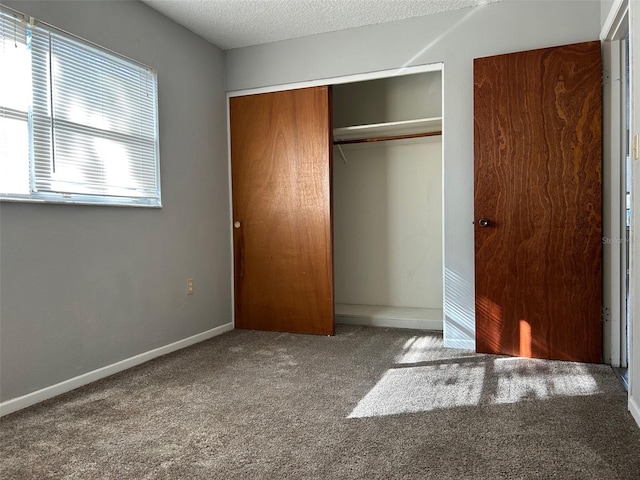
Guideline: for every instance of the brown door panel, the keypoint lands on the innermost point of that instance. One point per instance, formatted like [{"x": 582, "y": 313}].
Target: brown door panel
[
  {"x": 537, "y": 138},
  {"x": 281, "y": 185}
]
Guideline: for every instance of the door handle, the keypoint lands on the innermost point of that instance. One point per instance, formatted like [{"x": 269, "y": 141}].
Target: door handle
[
  {"x": 484, "y": 222},
  {"x": 236, "y": 224}
]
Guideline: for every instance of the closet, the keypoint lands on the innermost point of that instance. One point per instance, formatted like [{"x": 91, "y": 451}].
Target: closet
[
  {"x": 387, "y": 201},
  {"x": 337, "y": 205}
]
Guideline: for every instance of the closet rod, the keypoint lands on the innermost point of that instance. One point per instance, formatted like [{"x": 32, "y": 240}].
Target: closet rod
[{"x": 390, "y": 137}]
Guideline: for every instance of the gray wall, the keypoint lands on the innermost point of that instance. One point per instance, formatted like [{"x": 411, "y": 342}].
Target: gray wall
[
  {"x": 454, "y": 38},
  {"x": 605, "y": 7},
  {"x": 83, "y": 287}
]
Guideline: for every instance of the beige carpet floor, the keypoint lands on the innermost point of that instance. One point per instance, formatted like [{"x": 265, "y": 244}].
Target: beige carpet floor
[{"x": 369, "y": 403}]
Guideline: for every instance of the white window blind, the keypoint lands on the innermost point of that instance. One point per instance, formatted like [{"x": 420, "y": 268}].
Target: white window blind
[{"x": 88, "y": 119}]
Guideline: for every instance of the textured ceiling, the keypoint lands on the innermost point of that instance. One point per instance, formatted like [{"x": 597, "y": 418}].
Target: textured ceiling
[{"x": 239, "y": 23}]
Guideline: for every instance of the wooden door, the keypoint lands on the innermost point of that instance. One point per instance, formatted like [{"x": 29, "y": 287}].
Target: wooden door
[
  {"x": 538, "y": 236},
  {"x": 281, "y": 184}
]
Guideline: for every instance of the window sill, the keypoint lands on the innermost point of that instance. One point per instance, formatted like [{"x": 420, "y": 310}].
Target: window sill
[{"x": 84, "y": 200}]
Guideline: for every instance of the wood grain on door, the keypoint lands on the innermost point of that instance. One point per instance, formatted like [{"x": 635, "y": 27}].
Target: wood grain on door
[
  {"x": 538, "y": 256},
  {"x": 281, "y": 184}
]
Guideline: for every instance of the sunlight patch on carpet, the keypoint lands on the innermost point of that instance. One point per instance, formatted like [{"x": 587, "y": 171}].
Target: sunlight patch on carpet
[{"x": 423, "y": 388}]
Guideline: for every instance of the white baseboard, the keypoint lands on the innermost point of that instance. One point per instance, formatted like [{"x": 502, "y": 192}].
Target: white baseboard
[
  {"x": 634, "y": 408},
  {"x": 394, "y": 317},
  {"x": 29, "y": 399}
]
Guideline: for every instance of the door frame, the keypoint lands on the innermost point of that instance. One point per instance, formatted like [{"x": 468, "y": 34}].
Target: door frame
[
  {"x": 614, "y": 312},
  {"x": 395, "y": 72}
]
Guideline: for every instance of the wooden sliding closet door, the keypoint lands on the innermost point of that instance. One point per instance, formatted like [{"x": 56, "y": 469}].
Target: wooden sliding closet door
[
  {"x": 538, "y": 234},
  {"x": 281, "y": 183}
]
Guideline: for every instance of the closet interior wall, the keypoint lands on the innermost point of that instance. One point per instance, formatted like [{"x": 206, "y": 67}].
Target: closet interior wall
[{"x": 387, "y": 202}]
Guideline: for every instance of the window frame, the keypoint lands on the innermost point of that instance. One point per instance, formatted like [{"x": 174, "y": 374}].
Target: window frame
[{"x": 149, "y": 197}]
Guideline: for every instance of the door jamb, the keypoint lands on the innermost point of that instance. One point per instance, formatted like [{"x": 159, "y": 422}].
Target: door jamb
[
  {"x": 358, "y": 77},
  {"x": 613, "y": 31}
]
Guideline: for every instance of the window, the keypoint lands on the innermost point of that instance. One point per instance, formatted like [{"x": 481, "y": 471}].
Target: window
[{"x": 78, "y": 124}]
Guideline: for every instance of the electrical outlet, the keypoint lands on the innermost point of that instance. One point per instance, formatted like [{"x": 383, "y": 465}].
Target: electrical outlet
[{"x": 189, "y": 286}]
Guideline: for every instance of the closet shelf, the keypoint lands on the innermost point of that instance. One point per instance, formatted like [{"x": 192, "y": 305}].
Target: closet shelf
[{"x": 380, "y": 132}]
